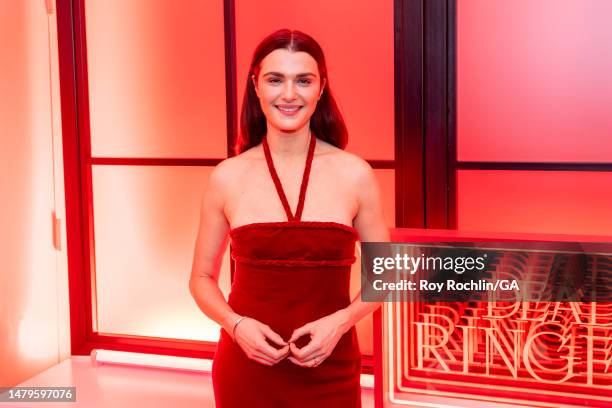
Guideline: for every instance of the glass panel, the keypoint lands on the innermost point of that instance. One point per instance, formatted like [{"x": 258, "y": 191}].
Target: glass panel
[
  {"x": 146, "y": 221},
  {"x": 156, "y": 78},
  {"x": 560, "y": 202},
  {"x": 534, "y": 81},
  {"x": 386, "y": 181},
  {"x": 358, "y": 47}
]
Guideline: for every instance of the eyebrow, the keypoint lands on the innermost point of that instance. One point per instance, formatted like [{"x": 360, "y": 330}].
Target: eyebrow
[{"x": 305, "y": 74}]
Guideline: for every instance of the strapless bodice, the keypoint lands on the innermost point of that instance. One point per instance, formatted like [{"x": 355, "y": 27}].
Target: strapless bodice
[{"x": 292, "y": 243}]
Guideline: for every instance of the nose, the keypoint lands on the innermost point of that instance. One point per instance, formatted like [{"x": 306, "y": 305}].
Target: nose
[{"x": 289, "y": 91}]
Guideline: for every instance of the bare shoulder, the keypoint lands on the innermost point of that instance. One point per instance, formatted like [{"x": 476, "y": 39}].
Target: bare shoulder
[
  {"x": 351, "y": 167},
  {"x": 229, "y": 171},
  {"x": 358, "y": 174}
]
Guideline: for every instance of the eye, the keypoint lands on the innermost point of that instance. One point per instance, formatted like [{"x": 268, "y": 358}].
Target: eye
[
  {"x": 305, "y": 81},
  {"x": 273, "y": 80}
]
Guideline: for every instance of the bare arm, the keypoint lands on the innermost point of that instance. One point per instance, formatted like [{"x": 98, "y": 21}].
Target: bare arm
[
  {"x": 211, "y": 242},
  {"x": 371, "y": 225}
]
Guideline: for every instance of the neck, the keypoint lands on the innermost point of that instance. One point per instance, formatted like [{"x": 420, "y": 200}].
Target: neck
[{"x": 289, "y": 144}]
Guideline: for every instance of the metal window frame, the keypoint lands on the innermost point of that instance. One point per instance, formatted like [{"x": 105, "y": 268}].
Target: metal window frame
[{"x": 78, "y": 163}]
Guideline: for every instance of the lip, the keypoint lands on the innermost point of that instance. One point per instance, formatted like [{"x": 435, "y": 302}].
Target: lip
[{"x": 288, "y": 110}]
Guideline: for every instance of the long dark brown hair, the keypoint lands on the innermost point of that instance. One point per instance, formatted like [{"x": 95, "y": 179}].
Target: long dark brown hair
[{"x": 326, "y": 122}]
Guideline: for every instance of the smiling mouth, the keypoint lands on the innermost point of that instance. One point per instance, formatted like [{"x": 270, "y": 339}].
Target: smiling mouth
[{"x": 288, "y": 109}]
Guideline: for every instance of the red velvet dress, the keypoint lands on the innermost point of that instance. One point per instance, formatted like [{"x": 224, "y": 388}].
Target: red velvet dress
[{"x": 288, "y": 274}]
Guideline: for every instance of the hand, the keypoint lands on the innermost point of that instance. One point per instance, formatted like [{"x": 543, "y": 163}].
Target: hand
[
  {"x": 251, "y": 335},
  {"x": 324, "y": 335}
]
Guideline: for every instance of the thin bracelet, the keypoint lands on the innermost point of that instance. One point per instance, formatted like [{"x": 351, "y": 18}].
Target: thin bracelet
[{"x": 236, "y": 324}]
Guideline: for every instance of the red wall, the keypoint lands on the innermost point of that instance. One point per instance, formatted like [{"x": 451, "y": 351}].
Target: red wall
[
  {"x": 534, "y": 84},
  {"x": 358, "y": 47}
]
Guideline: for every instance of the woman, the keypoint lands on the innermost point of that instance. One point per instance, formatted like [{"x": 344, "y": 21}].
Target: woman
[{"x": 294, "y": 204}]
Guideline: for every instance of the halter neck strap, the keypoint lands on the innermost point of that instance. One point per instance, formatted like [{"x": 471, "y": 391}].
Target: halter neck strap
[{"x": 277, "y": 182}]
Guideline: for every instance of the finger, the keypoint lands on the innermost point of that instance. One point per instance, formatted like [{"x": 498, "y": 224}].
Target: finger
[
  {"x": 295, "y": 351},
  {"x": 297, "y": 362},
  {"x": 299, "y": 332},
  {"x": 321, "y": 359},
  {"x": 261, "y": 361},
  {"x": 285, "y": 352},
  {"x": 311, "y": 356},
  {"x": 272, "y": 335},
  {"x": 307, "y": 351},
  {"x": 262, "y": 356},
  {"x": 270, "y": 352},
  {"x": 307, "y": 364}
]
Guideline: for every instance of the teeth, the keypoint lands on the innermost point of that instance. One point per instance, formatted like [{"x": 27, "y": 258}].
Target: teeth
[{"x": 288, "y": 109}]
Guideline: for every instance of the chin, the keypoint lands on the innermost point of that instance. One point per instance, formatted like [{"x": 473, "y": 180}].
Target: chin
[{"x": 289, "y": 127}]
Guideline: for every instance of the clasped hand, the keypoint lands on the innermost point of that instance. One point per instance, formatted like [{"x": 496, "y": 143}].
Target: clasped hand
[{"x": 325, "y": 333}]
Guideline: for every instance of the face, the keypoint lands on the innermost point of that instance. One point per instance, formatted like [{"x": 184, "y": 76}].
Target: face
[{"x": 288, "y": 87}]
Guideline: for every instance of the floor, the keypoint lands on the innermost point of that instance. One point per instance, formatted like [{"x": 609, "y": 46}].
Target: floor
[{"x": 116, "y": 386}]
